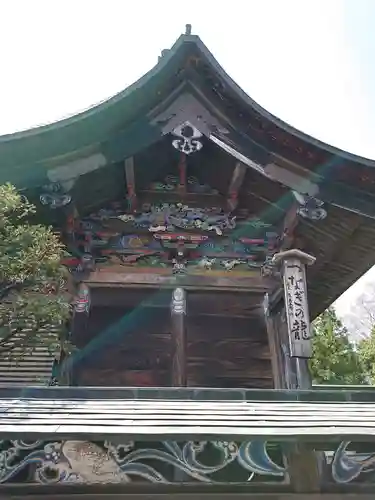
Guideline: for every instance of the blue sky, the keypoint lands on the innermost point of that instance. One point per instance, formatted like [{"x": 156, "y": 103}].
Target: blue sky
[{"x": 309, "y": 62}]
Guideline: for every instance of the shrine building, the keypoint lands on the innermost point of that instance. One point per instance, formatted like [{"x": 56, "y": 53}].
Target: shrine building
[{"x": 202, "y": 235}]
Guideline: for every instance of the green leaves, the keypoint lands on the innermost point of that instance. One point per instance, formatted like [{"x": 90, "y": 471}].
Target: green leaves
[
  {"x": 34, "y": 306},
  {"x": 366, "y": 352},
  {"x": 335, "y": 359}
]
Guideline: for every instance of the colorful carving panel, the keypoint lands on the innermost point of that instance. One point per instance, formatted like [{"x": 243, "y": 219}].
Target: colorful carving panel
[
  {"x": 167, "y": 462},
  {"x": 172, "y": 182},
  {"x": 216, "y": 462},
  {"x": 173, "y": 235}
]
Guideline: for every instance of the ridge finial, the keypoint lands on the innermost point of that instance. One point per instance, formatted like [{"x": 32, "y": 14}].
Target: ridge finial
[{"x": 188, "y": 29}]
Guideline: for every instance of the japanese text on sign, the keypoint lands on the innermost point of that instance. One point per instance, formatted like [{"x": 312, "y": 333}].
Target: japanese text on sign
[{"x": 297, "y": 309}]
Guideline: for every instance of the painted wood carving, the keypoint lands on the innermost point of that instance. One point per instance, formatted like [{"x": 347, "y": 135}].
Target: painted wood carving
[
  {"x": 54, "y": 196},
  {"x": 90, "y": 462},
  {"x": 172, "y": 182},
  {"x": 64, "y": 462},
  {"x": 172, "y": 235}
]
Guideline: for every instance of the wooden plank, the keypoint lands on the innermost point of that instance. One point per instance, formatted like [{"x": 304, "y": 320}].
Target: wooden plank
[
  {"x": 191, "y": 404},
  {"x": 184, "y": 420},
  {"x": 300, "y": 416},
  {"x": 179, "y": 426},
  {"x": 159, "y": 433},
  {"x": 182, "y": 412},
  {"x": 301, "y": 420},
  {"x": 113, "y": 413}
]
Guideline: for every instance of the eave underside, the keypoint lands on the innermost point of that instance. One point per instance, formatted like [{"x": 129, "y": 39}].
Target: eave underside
[
  {"x": 343, "y": 242},
  {"x": 343, "y": 245},
  {"x": 126, "y": 126}
]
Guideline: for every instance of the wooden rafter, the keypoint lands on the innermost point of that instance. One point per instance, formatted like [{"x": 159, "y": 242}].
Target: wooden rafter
[
  {"x": 238, "y": 177},
  {"x": 289, "y": 226}
]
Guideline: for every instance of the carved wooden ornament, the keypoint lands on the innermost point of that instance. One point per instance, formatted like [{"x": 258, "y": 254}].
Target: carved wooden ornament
[
  {"x": 178, "y": 301},
  {"x": 187, "y": 138}
]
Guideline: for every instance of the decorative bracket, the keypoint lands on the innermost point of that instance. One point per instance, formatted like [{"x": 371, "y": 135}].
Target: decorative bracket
[
  {"x": 270, "y": 269},
  {"x": 54, "y": 196},
  {"x": 309, "y": 207},
  {"x": 83, "y": 301}
]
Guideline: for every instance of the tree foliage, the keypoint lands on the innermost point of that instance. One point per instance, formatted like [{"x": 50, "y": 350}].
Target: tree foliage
[
  {"x": 366, "y": 352},
  {"x": 335, "y": 359},
  {"x": 34, "y": 308}
]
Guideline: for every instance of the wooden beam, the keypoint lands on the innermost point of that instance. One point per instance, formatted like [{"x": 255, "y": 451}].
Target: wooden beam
[
  {"x": 200, "y": 304},
  {"x": 130, "y": 182},
  {"x": 129, "y": 277},
  {"x": 238, "y": 177},
  {"x": 178, "y": 319}
]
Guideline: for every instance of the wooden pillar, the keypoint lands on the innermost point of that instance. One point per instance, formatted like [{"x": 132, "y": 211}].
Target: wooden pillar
[
  {"x": 277, "y": 332},
  {"x": 79, "y": 325},
  {"x": 178, "y": 320}
]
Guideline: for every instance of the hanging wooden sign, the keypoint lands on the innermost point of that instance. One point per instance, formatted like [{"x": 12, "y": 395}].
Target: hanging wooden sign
[{"x": 296, "y": 302}]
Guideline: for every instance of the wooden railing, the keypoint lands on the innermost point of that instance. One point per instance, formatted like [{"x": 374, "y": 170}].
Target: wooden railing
[{"x": 269, "y": 441}]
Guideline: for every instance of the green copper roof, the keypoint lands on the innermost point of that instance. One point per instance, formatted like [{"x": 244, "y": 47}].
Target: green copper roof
[
  {"x": 119, "y": 127},
  {"x": 25, "y": 156}
]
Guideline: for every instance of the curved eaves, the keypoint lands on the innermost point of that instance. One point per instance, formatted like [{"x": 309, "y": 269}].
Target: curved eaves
[
  {"x": 87, "y": 130},
  {"x": 102, "y": 106},
  {"x": 92, "y": 126},
  {"x": 241, "y": 94}
]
